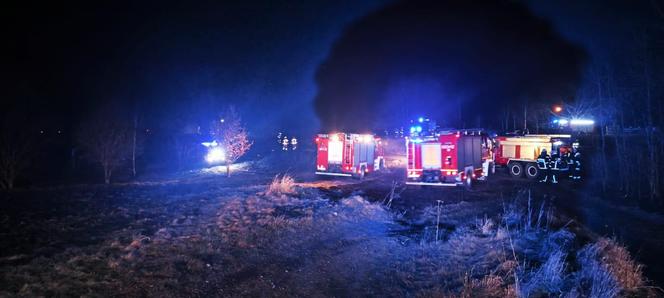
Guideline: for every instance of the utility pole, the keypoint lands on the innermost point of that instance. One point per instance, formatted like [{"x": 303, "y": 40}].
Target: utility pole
[{"x": 525, "y": 117}]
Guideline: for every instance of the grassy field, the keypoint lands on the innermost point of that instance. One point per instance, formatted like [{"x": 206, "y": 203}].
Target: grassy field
[{"x": 258, "y": 235}]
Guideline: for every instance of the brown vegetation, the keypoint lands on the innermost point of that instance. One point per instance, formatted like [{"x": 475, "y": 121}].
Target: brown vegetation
[
  {"x": 279, "y": 239},
  {"x": 281, "y": 185}
]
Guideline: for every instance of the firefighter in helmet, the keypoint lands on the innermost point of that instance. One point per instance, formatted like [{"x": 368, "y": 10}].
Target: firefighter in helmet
[
  {"x": 554, "y": 167},
  {"x": 543, "y": 164},
  {"x": 284, "y": 144},
  {"x": 293, "y": 143},
  {"x": 566, "y": 161},
  {"x": 576, "y": 167}
]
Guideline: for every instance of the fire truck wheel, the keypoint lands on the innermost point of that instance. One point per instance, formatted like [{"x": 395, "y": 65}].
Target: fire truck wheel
[
  {"x": 516, "y": 169},
  {"x": 531, "y": 171}
]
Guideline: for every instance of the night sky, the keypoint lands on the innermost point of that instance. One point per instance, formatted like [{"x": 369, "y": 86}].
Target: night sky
[
  {"x": 174, "y": 57},
  {"x": 177, "y": 59}
]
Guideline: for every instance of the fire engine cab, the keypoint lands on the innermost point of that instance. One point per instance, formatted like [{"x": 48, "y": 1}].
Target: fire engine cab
[
  {"x": 519, "y": 153},
  {"x": 449, "y": 158},
  {"x": 344, "y": 154}
]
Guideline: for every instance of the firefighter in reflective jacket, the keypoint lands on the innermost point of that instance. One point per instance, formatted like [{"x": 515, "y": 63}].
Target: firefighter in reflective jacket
[
  {"x": 543, "y": 164},
  {"x": 567, "y": 162},
  {"x": 576, "y": 167},
  {"x": 554, "y": 167}
]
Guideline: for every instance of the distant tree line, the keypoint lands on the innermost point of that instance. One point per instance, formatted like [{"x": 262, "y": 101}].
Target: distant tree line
[
  {"x": 627, "y": 100},
  {"x": 111, "y": 139}
]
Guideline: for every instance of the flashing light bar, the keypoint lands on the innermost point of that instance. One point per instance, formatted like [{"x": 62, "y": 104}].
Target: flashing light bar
[
  {"x": 575, "y": 122},
  {"x": 582, "y": 122},
  {"x": 414, "y": 129}
]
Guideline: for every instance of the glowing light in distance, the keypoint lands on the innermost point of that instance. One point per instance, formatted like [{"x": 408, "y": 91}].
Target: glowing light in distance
[
  {"x": 563, "y": 121},
  {"x": 558, "y": 143},
  {"x": 366, "y": 138},
  {"x": 334, "y": 138},
  {"x": 582, "y": 122},
  {"x": 215, "y": 155},
  {"x": 421, "y": 119},
  {"x": 210, "y": 144},
  {"x": 557, "y": 109}
]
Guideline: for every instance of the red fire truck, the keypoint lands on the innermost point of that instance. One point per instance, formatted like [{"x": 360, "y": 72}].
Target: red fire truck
[
  {"x": 519, "y": 153},
  {"x": 449, "y": 158},
  {"x": 345, "y": 154}
]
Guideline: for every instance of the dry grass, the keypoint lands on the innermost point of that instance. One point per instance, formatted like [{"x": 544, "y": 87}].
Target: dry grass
[
  {"x": 281, "y": 185},
  {"x": 485, "y": 225},
  {"x": 593, "y": 279},
  {"x": 620, "y": 263},
  {"x": 548, "y": 278},
  {"x": 600, "y": 269},
  {"x": 486, "y": 286},
  {"x": 608, "y": 269},
  {"x": 293, "y": 241}
]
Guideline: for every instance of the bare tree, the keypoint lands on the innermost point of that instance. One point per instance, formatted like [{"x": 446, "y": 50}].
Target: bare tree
[
  {"x": 134, "y": 144},
  {"x": 646, "y": 72},
  {"x": 17, "y": 145},
  {"x": 184, "y": 146},
  {"x": 105, "y": 140},
  {"x": 231, "y": 134},
  {"x": 137, "y": 140}
]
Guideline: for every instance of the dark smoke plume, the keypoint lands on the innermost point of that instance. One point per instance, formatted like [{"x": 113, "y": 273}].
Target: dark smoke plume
[{"x": 460, "y": 62}]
